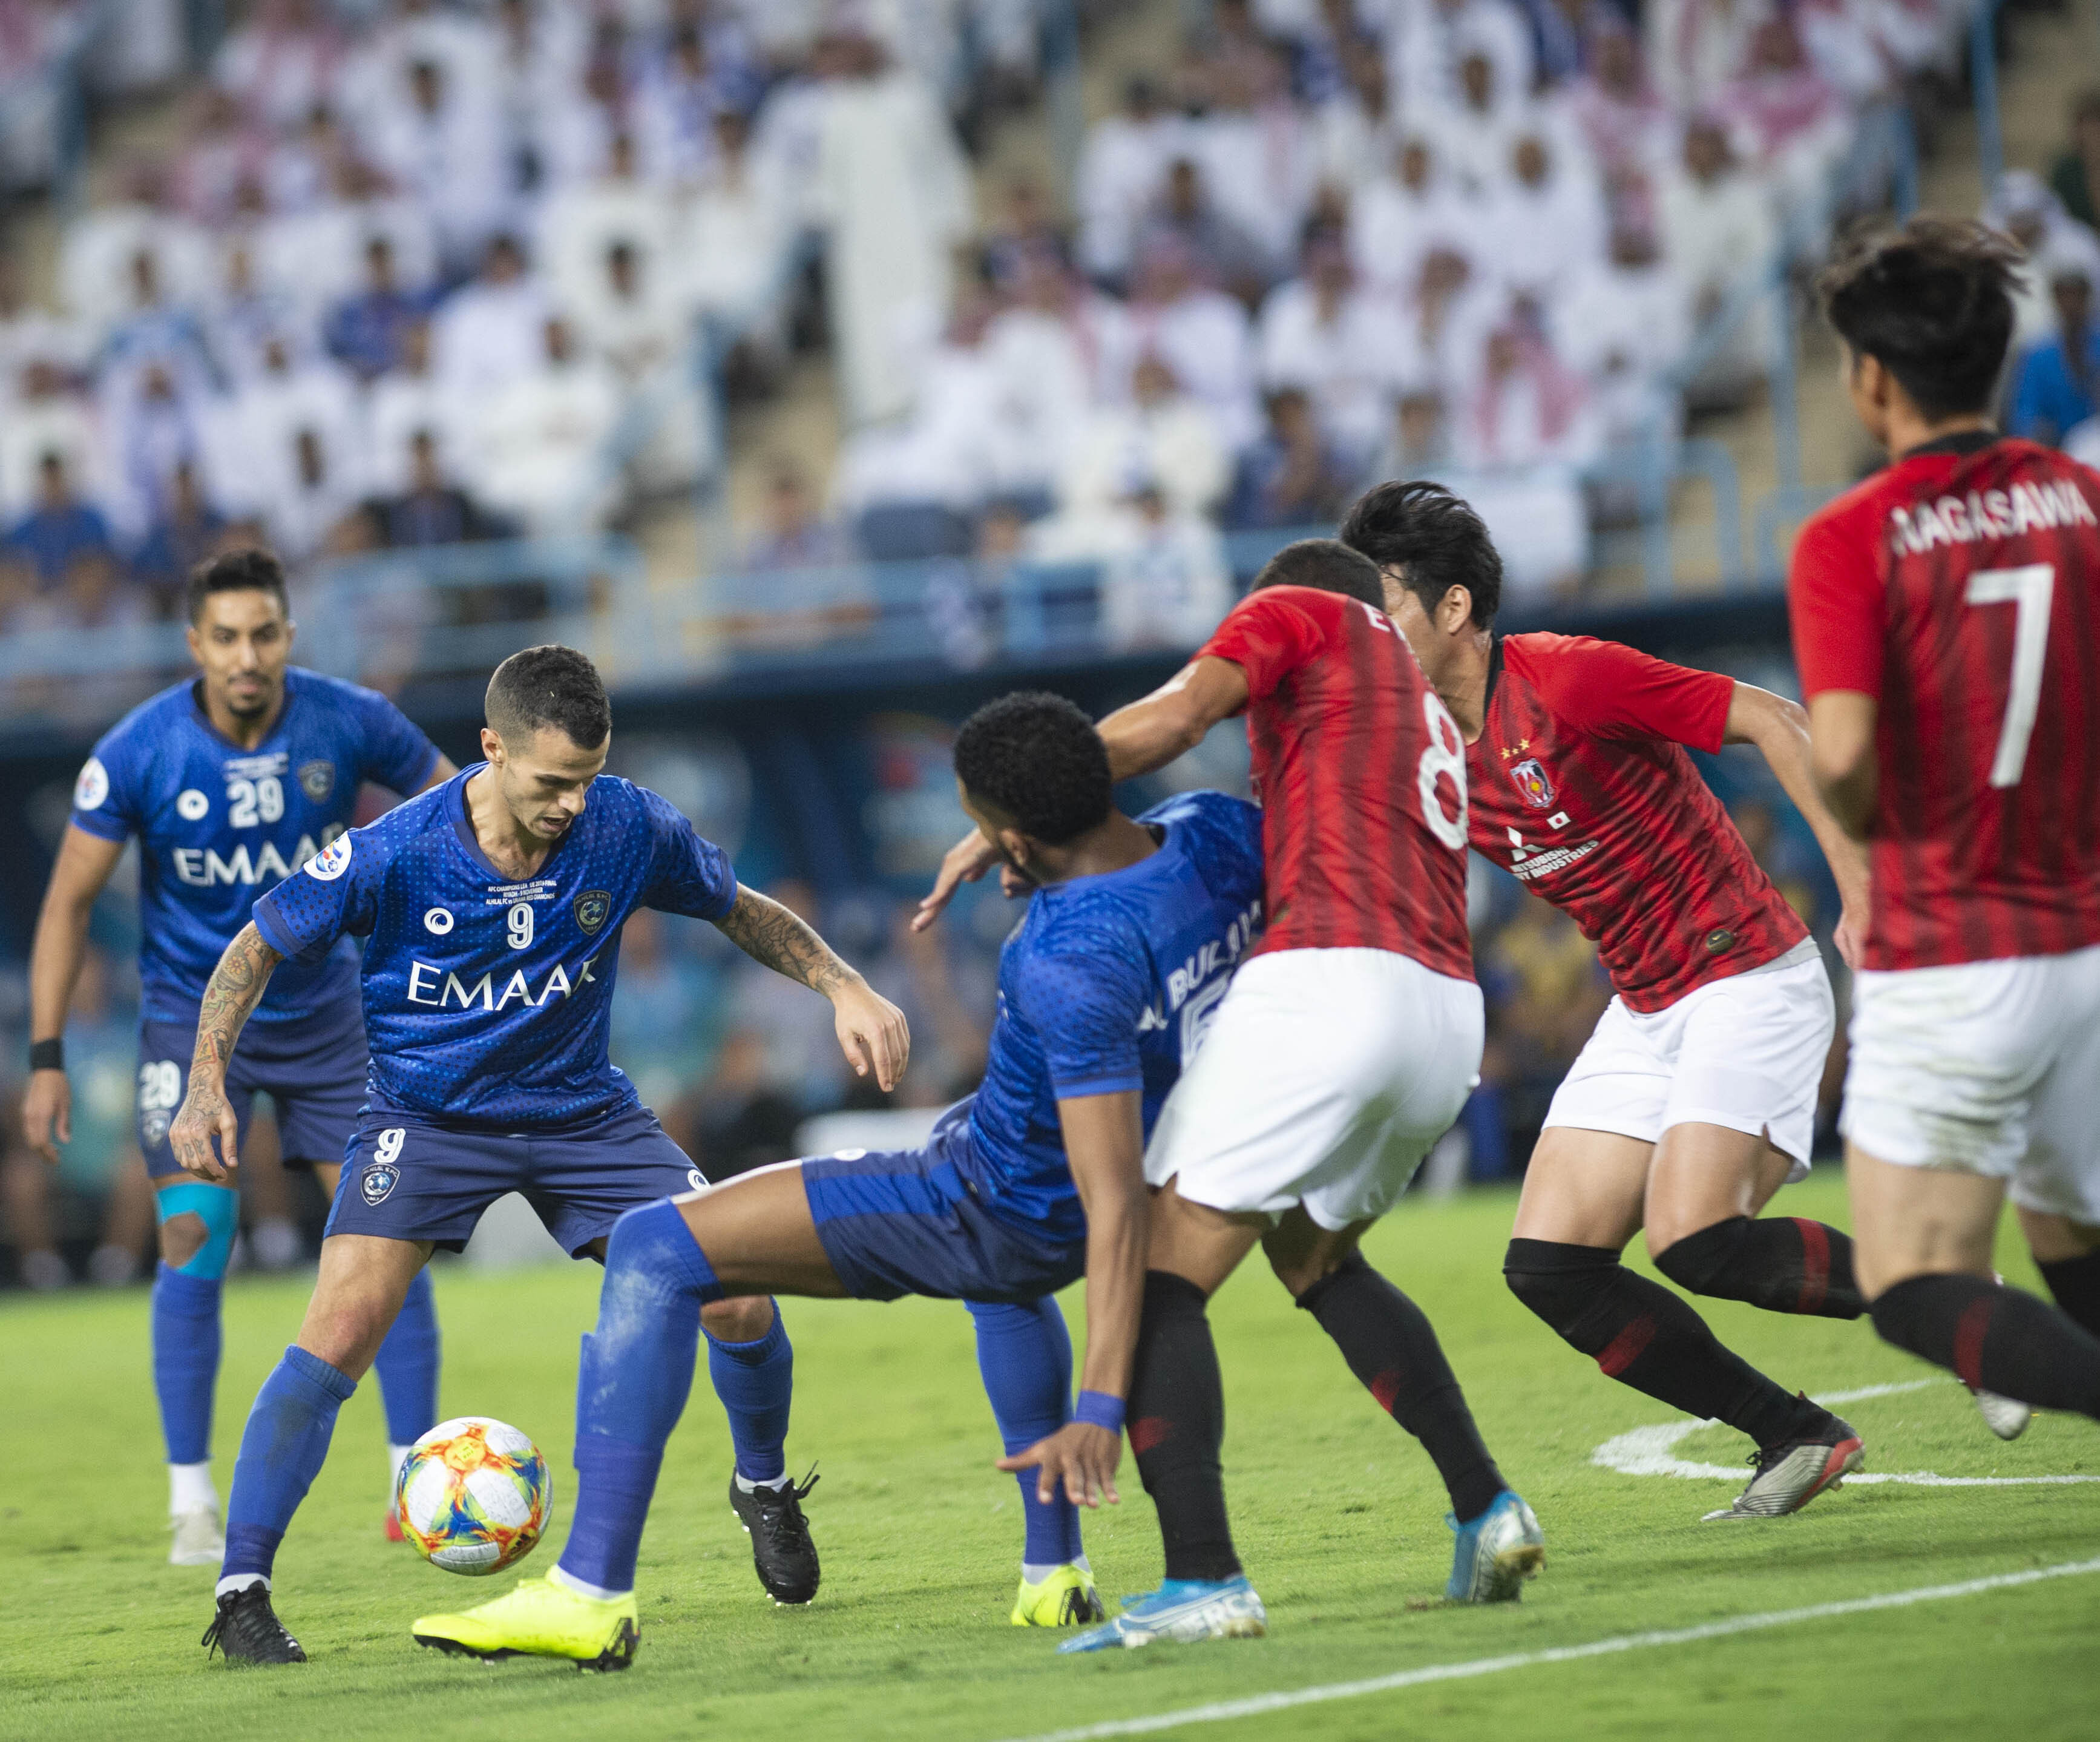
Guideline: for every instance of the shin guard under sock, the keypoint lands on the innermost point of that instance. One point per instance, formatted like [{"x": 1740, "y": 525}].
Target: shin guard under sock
[
  {"x": 1643, "y": 1335},
  {"x": 1024, "y": 1354},
  {"x": 1783, "y": 1263},
  {"x": 636, "y": 1374},
  {"x": 407, "y": 1366},
  {"x": 186, "y": 1349},
  {"x": 2075, "y": 1282},
  {"x": 1177, "y": 1426},
  {"x": 756, "y": 1383},
  {"x": 1390, "y": 1346},
  {"x": 282, "y": 1450},
  {"x": 2000, "y": 1339}
]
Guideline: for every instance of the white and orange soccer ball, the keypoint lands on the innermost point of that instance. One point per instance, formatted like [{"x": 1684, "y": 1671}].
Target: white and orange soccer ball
[{"x": 474, "y": 1495}]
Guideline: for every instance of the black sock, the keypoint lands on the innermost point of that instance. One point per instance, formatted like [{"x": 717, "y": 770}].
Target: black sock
[
  {"x": 1176, "y": 1412},
  {"x": 1995, "y": 1337},
  {"x": 1388, "y": 1343},
  {"x": 1781, "y": 1263},
  {"x": 1643, "y": 1335},
  {"x": 2075, "y": 1284}
]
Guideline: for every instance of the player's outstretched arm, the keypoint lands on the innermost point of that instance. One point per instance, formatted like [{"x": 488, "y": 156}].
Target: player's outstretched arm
[
  {"x": 1104, "y": 1144},
  {"x": 1781, "y": 730},
  {"x": 85, "y": 861},
  {"x": 230, "y": 999},
  {"x": 1173, "y": 720},
  {"x": 1841, "y": 729},
  {"x": 1146, "y": 735},
  {"x": 872, "y": 1031}
]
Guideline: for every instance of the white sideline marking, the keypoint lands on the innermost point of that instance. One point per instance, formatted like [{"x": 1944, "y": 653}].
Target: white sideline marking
[
  {"x": 1653, "y": 1451},
  {"x": 1255, "y": 1705}
]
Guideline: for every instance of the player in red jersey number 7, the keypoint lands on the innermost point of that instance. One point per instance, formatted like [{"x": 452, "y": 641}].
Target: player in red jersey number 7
[
  {"x": 1947, "y": 623},
  {"x": 1695, "y": 1100},
  {"x": 1343, "y": 1049}
]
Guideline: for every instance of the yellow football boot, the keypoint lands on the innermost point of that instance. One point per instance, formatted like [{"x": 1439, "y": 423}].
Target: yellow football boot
[
  {"x": 1066, "y": 1599},
  {"x": 541, "y": 1619}
]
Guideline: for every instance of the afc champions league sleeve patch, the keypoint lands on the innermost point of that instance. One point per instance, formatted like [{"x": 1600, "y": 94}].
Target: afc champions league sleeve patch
[
  {"x": 317, "y": 780},
  {"x": 592, "y": 907},
  {"x": 93, "y": 786},
  {"x": 331, "y": 862}
]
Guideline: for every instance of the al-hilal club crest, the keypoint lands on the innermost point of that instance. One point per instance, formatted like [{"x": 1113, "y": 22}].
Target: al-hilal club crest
[
  {"x": 1532, "y": 783},
  {"x": 153, "y": 1126},
  {"x": 592, "y": 907},
  {"x": 317, "y": 780}
]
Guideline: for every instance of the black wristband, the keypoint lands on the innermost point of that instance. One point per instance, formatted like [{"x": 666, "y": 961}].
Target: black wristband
[{"x": 47, "y": 1054}]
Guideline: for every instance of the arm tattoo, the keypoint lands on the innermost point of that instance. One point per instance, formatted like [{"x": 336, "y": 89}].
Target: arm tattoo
[
  {"x": 768, "y": 932},
  {"x": 236, "y": 988}
]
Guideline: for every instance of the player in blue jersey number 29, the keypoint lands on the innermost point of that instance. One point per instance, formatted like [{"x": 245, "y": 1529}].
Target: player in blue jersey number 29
[
  {"x": 491, "y": 907},
  {"x": 227, "y": 781}
]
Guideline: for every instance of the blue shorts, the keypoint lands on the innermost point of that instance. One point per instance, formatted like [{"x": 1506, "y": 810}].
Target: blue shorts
[
  {"x": 407, "y": 1177},
  {"x": 909, "y": 1222},
  {"x": 316, "y": 1081}
]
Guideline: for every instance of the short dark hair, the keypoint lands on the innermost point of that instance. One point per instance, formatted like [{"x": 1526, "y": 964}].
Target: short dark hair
[
  {"x": 1327, "y": 564},
  {"x": 1932, "y": 302},
  {"x": 1036, "y": 757},
  {"x": 1434, "y": 539},
  {"x": 251, "y": 571},
  {"x": 550, "y": 686}
]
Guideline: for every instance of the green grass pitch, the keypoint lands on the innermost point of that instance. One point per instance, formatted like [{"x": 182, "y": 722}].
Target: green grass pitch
[{"x": 1339, "y": 1517}]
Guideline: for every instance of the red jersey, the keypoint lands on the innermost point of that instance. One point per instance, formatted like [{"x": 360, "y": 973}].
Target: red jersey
[
  {"x": 1362, "y": 778},
  {"x": 1579, "y": 785},
  {"x": 1960, "y": 590}
]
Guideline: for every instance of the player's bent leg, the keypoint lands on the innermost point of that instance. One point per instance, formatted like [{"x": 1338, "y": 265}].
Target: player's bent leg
[
  {"x": 1392, "y": 1348},
  {"x": 1176, "y": 1420},
  {"x": 759, "y": 1237},
  {"x": 407, "y": 1366},
  {"x": 632, "y": 1387},
  {"x": 1705, "y": 1187},
  {"x": 363, "y": 1279},
  {"x": 198, "y": 1222},
  {"x": 1640, "y": 1334},
  {"x": 2067, "y": 1253},
  {"x": 1024, "y": 1356},
  {"x": 751, "y": 1364},
  {"x": 1925, "y": 1254}
]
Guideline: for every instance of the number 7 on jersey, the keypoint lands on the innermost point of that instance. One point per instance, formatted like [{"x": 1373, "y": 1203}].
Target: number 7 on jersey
[{"x": 2029, "y": 590}]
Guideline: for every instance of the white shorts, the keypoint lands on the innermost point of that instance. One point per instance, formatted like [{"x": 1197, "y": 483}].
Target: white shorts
[
  {"x": 1746, "y": 1052},
  {"x": 1987, "y": 1067},
  {"x": 1323, "y": 1079}
]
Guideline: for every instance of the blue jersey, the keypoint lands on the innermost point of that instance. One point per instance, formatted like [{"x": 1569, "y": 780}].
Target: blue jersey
[
  {"x": 1107, "y": 984},
  {"x": 219, "y": 826},
  {"x": 487, "y": 1000}
]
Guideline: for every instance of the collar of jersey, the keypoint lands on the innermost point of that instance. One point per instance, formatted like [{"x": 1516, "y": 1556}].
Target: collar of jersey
[
  {"x": 204, "y": 719},
  {"x": 455, "y": 801},
  {"x": 1961, "y": 442},
  {"x": 1169, "y": 847}
]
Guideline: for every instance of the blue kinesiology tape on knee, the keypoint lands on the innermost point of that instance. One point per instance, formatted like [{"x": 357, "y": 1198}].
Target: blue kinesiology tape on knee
[
  {"x": 1024, "y": 1354},
  {"x": 218, "y": 1208},
  {"x": 632, "y": 1385},
  {"x": 407, "y": 1366},
  {"x": 756, "y": 1383}
]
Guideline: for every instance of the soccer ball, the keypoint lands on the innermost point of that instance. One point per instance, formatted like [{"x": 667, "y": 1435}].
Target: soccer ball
[{"x": 474, "y": 1495}]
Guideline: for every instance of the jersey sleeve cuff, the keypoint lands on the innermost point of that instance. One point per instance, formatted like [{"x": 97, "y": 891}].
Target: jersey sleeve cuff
[
  {"x": 101, "y": 827},
  {"x": 272, "y": 929},
  {"x": 1119, "y": 1084}
]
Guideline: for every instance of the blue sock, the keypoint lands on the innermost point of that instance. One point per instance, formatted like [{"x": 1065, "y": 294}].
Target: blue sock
[
  {"x": 185, "y": 1305},
  {"x": 408, "y": 1366},
  {"x": 756, "y": 1382},
  {"x": 282, "y": 1450},
  {"x": 1025, "y": 1357},
  {"x": 186, "y": 1344},
  {"x": 631, "y": 1388}
]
